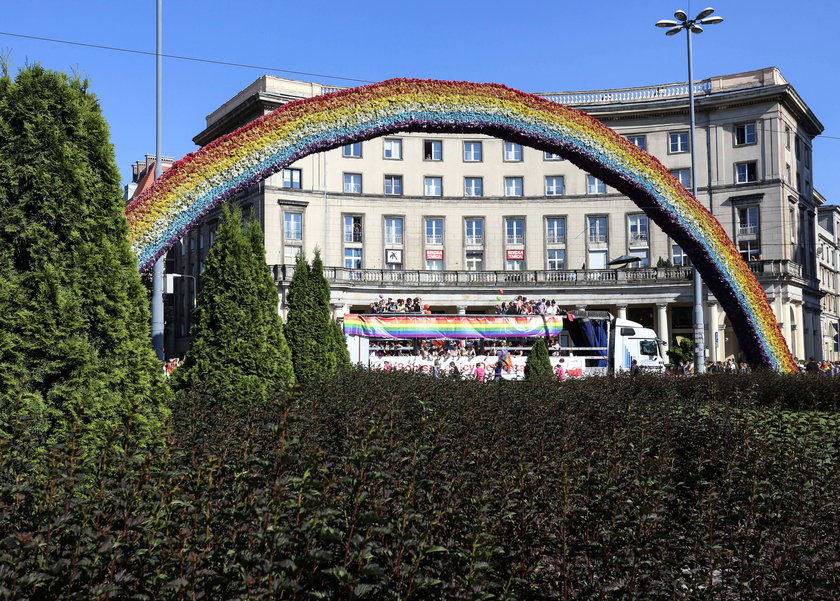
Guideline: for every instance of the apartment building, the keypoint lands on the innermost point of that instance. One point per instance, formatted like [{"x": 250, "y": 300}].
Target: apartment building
[{"x": 464, "y": 220}]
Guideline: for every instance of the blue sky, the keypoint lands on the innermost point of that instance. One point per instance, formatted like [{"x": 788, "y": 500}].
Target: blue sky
[{"x": 535, "y": 46}]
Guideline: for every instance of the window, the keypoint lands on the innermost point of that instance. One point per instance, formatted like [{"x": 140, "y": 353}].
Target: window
[
  {"x": 683, "y": 176},
  {"x": 473, "y": 186},
  {"x": 745, "y": 134},
  {"x": 393, "y": 230},
  {"x": 515, "y": 265},
  {"x": 596, "y": 259},
  {"x": 183, "y": 247},
  {"x": 750, "y": 250},
  {"x": 433, "y": 186},
  {"x": 597, "y": 230},
  {"x": 796, "y": 147},
  {"x": 472, "y": 151},
  {"x": 638, "y": 229},
  {"x": 434, "y": 231},
  {"x": 513, "y": 151},
  {"x": 393, "y": 185},
  {"x": 746, "y": 172},
  {"x": 432, "y": 150},
  {"x": 747, "y": 221},
  {"x": 352, "y": 258},
  {"x": 393, "y": 148},
  {"x": 353, "y": 151},
  {"x": 678, "y": 142},
  {"x": 554, "y": 185},
  {"x": 201, "y": 242},
  {"x": 475, "y": 231},
  {"x": 515, "y": 231},
  {"x": 292, "y": 229},
  {"x": 678, "y": 256},
  {"x": 291, "y": 178},
  {"x": 640, "y": 141},
  {"x": 555, "y": 230},
  {"x": 513, "y": 186},
  {"x": 353, "y": 183},
  {"x": 550, "y": 156},
  {"x": 787, "y": 137},
  {"x": 352, "y": 228},
  {"x": 474, "y": 260},
  {"x": 290, "y": 253},
  {"x": 556, "y": 258},
  {"x": 434, "y": 264},
  {"x": 644, "y": 257},
  {"x": 594, "y": 185}
]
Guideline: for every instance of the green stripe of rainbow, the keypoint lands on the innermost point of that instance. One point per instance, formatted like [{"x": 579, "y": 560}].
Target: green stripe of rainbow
[
  {"x": 443, "y": 326},
  {"x": 201, "y": 180}
]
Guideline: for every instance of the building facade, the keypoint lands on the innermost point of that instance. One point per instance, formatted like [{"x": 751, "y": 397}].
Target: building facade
[{"x": 468, "y": 221}]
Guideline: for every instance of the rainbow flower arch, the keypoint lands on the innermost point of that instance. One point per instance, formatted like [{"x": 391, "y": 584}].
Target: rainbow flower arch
[{"x": 196, "y": 184}]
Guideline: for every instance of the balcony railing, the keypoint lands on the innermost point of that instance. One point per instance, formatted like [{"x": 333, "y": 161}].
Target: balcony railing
[
  {"x": 774, "y": 269},
  {"x": 393, "y": 239},
  {"x": 475, "y": 240},
  {"x": 352, "y": 236},
  {"x": 515, "y": 239},
  {"x": 434, "y": 239},
  {"x": 747, "y": 230},
  {"x": 555, "y": 239},
  {"x": 597, "y": 238},
  {"x": 674, "y": 90},
  {"x": 639, "y": 238}
]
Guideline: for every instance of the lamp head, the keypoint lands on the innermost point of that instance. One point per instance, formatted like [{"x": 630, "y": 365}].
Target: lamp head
[
  {"x": 674, "y": 31},
  {"x": 681, "y": 15},
  {"x": 711, "y": 20},
  {"x": 666, "y": 23},
  {"x": 704, "y": 13}
]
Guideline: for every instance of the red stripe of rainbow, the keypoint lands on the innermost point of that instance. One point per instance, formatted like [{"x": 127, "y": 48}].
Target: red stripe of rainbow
[
  {"x": 451, "y": 326},
  {"x": 201, "y": 180}
]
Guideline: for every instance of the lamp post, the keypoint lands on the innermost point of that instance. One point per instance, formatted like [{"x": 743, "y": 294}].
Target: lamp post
[
  {"x": 158, "y": 272},
  {"x": 693, "y": 26}
]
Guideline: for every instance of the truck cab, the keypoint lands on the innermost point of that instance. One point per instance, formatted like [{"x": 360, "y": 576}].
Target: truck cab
[{"x": 630, "y": 340}]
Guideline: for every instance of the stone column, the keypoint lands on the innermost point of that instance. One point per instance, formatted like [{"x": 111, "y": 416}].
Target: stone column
[
  {"x": 662, "y": 322},
  {"x": 462, "y": 309},
  {"x": 807, "y": 332},
  {"x": 711, "y": 343},
  {"x": 622, "y": 311},
  {"x": 797, "y": 331}
]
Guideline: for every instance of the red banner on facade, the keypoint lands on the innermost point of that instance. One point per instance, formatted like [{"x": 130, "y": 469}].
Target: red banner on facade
[
  {"x": 515, "y": 255},
  {"x": 434, "y": 255}
]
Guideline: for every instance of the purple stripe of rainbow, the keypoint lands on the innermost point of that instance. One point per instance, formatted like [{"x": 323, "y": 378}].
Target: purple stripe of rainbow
[{"x": 197, "y": 183}]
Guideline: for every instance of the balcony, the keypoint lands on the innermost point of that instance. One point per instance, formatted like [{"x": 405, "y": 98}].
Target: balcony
[
  {"x": 434, "y": 239},
  {"x": 595, "y": 238},
  {"x": 393, "y": 239},
  {"x": 747, "y": 230},
  {"x": 638, "y": 239},
  {"x": 474, "y": 240},
  {"x": 764, "y": 270},
  {"x": 515, "y": 239},
  {"x": 555, "y": 238},
  {"x": 352, "y": 236}
]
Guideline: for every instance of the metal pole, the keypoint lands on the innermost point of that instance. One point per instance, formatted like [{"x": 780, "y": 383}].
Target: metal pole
[
  {"x": 157, "y": 274},
  {"x": 699, "y": 333}
]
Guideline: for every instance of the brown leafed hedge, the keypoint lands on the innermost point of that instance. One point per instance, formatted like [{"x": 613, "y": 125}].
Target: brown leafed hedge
[{"x": 399, "y": 486}]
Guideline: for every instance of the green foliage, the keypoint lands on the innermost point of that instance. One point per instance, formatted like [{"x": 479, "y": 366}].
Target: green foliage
[
  {"x": 239, "y": 353},
  {"x": 402, "y": 486},
  {"x": 683, "y": 351},
  {"x": 317, "y": 352},
  {"x": 663, "y": 262},
  {"x": 538, "y": 364},
  {"x": 75, "y": 347}
]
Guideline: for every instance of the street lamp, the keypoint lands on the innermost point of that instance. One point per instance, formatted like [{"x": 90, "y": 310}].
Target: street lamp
[{"x": 693, "y": 26}]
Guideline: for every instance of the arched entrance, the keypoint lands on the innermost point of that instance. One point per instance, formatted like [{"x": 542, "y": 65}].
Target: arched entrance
[{"x": 200, "y": 181}]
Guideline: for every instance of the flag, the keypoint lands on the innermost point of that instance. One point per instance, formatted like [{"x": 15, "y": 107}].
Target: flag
[{"x": 506, "y": 359}]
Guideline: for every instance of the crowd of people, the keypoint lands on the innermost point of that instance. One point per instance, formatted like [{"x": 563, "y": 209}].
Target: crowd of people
[
  {"x": 400, "y": 305},
  {"x": 521, "y": 305}
]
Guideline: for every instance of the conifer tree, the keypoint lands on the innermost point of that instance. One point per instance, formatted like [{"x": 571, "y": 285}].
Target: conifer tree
[
  {"x": 309, "y": 329},
  {"x": 75, "y": 346},
  {"x": 538, "y": 364},
  {"x": 239, "y": 355}
]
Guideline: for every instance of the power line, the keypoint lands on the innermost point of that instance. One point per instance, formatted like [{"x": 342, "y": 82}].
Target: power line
[{"x": 183, "y": 58}]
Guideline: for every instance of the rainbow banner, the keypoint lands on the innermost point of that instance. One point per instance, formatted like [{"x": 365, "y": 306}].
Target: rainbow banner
[{"x": 452, "y": 326}]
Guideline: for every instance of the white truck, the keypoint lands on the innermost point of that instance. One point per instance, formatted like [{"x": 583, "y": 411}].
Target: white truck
[{"x": 590, "y": 343}]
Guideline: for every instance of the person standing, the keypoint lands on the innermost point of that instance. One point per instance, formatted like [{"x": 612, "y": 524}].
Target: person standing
[
  {"x": 560, "y": 370},
  {"x": 497, "y": 372}
]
